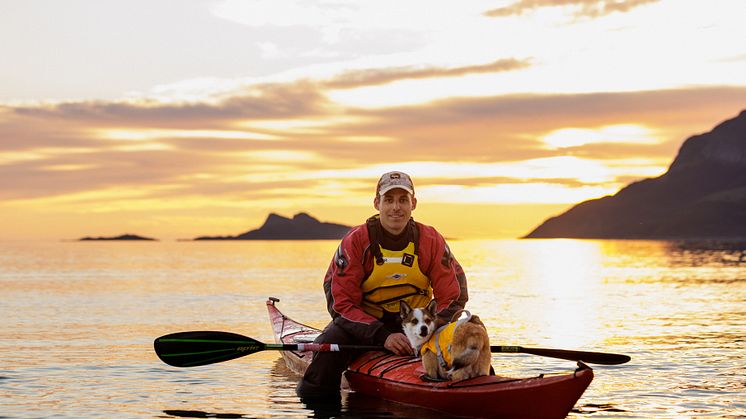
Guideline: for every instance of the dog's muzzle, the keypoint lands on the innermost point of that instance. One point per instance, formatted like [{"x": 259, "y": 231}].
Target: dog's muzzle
[{"x": 423, "y": 331}]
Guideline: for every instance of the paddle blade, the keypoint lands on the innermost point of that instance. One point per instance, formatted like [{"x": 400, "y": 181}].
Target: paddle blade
[
  {"x": 191, "y": 349},
  {"x": 601, "y": 358}
]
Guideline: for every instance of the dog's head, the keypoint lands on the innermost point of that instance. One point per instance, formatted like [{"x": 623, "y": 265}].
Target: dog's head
[{"x": 418, "y": 323}]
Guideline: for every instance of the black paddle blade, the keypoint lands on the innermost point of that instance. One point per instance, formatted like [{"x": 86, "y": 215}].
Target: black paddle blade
[
  {"x": 601, "y": 358},
  {"x": 191, "y": 349}
]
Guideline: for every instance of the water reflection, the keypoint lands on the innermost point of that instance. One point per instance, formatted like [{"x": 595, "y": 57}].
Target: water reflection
[
  {"x": 200, "y": 414},
  {"x": 708, "y": 252},
  {"x": 352, "y": 405},
  {"x": 83, "y": 317}
]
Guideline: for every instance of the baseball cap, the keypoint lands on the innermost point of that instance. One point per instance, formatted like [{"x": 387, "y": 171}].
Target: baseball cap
[{"x": 393, "y": 180}]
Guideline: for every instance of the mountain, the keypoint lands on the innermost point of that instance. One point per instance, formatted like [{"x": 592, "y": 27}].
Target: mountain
[
  {"x": 122, "y": 237},
  {"x": 701, "y": 196},
  {"x": 301, "y": 227}
]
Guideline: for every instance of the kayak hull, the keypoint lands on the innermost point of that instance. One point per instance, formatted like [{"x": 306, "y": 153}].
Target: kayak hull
[{"x": 397, "y": 378}]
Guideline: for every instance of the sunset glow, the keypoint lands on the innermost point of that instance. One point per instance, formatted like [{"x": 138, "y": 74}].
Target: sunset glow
[{"x": 212, "y": 115}]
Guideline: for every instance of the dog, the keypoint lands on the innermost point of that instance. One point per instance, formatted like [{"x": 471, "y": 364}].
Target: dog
[
  {"x": 456, "y": 351},
  {"x": 418, "y": 324}
]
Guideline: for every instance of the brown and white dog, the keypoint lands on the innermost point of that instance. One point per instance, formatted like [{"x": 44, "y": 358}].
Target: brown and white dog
[
  {"x": 418, "y": 323},
  {"x": 456, "y": 351}
]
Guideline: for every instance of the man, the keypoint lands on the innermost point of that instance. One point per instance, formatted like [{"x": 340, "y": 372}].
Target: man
[{"x": 389, "y": 258}]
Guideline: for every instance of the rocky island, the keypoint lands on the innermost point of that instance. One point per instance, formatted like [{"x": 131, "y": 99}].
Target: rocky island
[
  {"x": 122, "y": 237},
  {"x": 301, "y": 227},
  {"x": 701, "y": 196}
]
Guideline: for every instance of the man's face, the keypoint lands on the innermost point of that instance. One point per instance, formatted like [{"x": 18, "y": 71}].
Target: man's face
[{"x": 395, "y": 208}]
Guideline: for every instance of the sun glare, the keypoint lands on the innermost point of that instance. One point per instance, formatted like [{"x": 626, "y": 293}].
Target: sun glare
[
  {"x": 625, "y": 133},
  {"x": 300, "y": 126},
  {"x": 514, "y": 193},
  {"x": 565, "y": 270}
]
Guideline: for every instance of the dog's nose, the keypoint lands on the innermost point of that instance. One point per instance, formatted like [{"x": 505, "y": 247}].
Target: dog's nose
[{"x": 423, "y": 331}]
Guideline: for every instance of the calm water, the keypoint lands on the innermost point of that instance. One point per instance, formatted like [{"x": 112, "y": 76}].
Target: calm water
[{"x": 80, "y": 318}]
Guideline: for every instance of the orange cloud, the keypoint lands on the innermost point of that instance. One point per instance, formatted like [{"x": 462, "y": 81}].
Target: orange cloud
[
  {"x": 373, "y": 77},
  {"x": 588, "y": 8},
  {"x": 58, "y": 150}
]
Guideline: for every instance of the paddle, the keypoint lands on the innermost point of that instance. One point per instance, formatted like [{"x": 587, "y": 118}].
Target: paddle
[{"x": 191, "y": 349}]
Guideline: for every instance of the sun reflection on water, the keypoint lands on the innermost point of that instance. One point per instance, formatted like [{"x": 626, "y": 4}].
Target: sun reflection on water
[
  {"x": 546, "y": 286},
  {"x": 87, "y": 313}
]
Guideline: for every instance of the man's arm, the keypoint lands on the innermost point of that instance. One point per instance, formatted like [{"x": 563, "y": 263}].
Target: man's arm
[{"x": 343, "y": 293}]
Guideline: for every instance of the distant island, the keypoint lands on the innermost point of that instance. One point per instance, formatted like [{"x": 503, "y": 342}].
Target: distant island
[
  {"x": 701, "y": 196},
  {"x": 122, "y": 237},
  {"x": 301, "y": 227}
]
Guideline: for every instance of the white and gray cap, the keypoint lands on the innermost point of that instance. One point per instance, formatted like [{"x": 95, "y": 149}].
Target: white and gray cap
[{"x": 393, "y": 180}]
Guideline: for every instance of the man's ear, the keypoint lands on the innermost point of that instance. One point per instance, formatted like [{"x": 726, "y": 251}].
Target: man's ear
[
  {"x": 377, "y": 202},
  {"x": 414, "y": 202}
]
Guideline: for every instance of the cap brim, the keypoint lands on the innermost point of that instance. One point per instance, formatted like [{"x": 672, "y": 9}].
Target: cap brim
[{"x": 386, "y": 189}]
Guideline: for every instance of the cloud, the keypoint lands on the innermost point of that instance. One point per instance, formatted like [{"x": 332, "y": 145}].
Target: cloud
[
  {"x": 508, "y": 128},
  {"x": 255, "y": 102},
  {"x": 60, "y": 150},
  {"x": 372, "y": 77},
  {"x": 587, "y": 8}
]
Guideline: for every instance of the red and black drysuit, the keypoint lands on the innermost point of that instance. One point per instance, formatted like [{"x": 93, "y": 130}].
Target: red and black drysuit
[{"x": 352, "y": 264}]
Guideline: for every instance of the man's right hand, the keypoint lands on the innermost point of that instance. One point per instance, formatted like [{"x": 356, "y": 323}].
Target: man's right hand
[{"x": 398, "y": 344}]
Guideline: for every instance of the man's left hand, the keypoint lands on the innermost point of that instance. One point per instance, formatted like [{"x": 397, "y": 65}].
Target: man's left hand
[{"x": 398, "y": 344}]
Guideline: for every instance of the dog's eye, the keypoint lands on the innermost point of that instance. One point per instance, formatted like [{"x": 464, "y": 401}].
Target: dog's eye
[
  {"x": 428, "y": 321},
  {"x": 414, "y": 321}
]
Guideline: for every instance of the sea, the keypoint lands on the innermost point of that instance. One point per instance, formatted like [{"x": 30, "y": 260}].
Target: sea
[{"x": 79, "y": 320}]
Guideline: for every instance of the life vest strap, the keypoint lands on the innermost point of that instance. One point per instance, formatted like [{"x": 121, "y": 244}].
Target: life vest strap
[{"x": 417, "y": 291}]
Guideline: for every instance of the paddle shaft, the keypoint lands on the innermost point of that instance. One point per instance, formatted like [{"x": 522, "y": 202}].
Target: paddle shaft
[
  {"x": 591, "y": 357},
  {"x": 189, "y": 349}
]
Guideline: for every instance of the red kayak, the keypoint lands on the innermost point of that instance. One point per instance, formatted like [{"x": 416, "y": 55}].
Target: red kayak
[{"x": 397, "y": 378}]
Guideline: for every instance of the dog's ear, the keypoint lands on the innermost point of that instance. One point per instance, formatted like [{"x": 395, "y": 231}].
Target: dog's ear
[
  {"x": 476, "y": 320},
  {"x": 404, "y": 309},
  {"x": 432, "y": 307}
]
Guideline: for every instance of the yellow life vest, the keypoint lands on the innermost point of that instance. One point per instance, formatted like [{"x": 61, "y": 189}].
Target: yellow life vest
[
  {"x": 440, "y": 342},
  {"x": 398, "y": 278}
]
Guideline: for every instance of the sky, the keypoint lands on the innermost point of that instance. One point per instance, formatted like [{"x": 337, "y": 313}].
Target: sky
[{"x": 179, "y": 118}]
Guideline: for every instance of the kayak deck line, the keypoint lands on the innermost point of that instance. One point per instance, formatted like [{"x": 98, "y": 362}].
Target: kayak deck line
[{"x": 380, "y": 362}]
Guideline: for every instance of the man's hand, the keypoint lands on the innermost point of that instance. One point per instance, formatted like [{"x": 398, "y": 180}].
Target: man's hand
[{"x": 398, "y": 344}]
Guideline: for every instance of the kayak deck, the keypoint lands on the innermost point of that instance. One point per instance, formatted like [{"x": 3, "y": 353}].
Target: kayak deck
[{"x": 397, "y": 378}]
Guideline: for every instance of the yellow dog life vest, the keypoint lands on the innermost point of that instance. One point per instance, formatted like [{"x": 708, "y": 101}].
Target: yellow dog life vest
[
  {"x": 440, "y": 342},
  {"x": 398, "y": 278}
]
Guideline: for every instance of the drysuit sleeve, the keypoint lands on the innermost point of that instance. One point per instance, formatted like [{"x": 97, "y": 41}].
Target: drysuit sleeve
[{"x": 344, "y": 296}]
